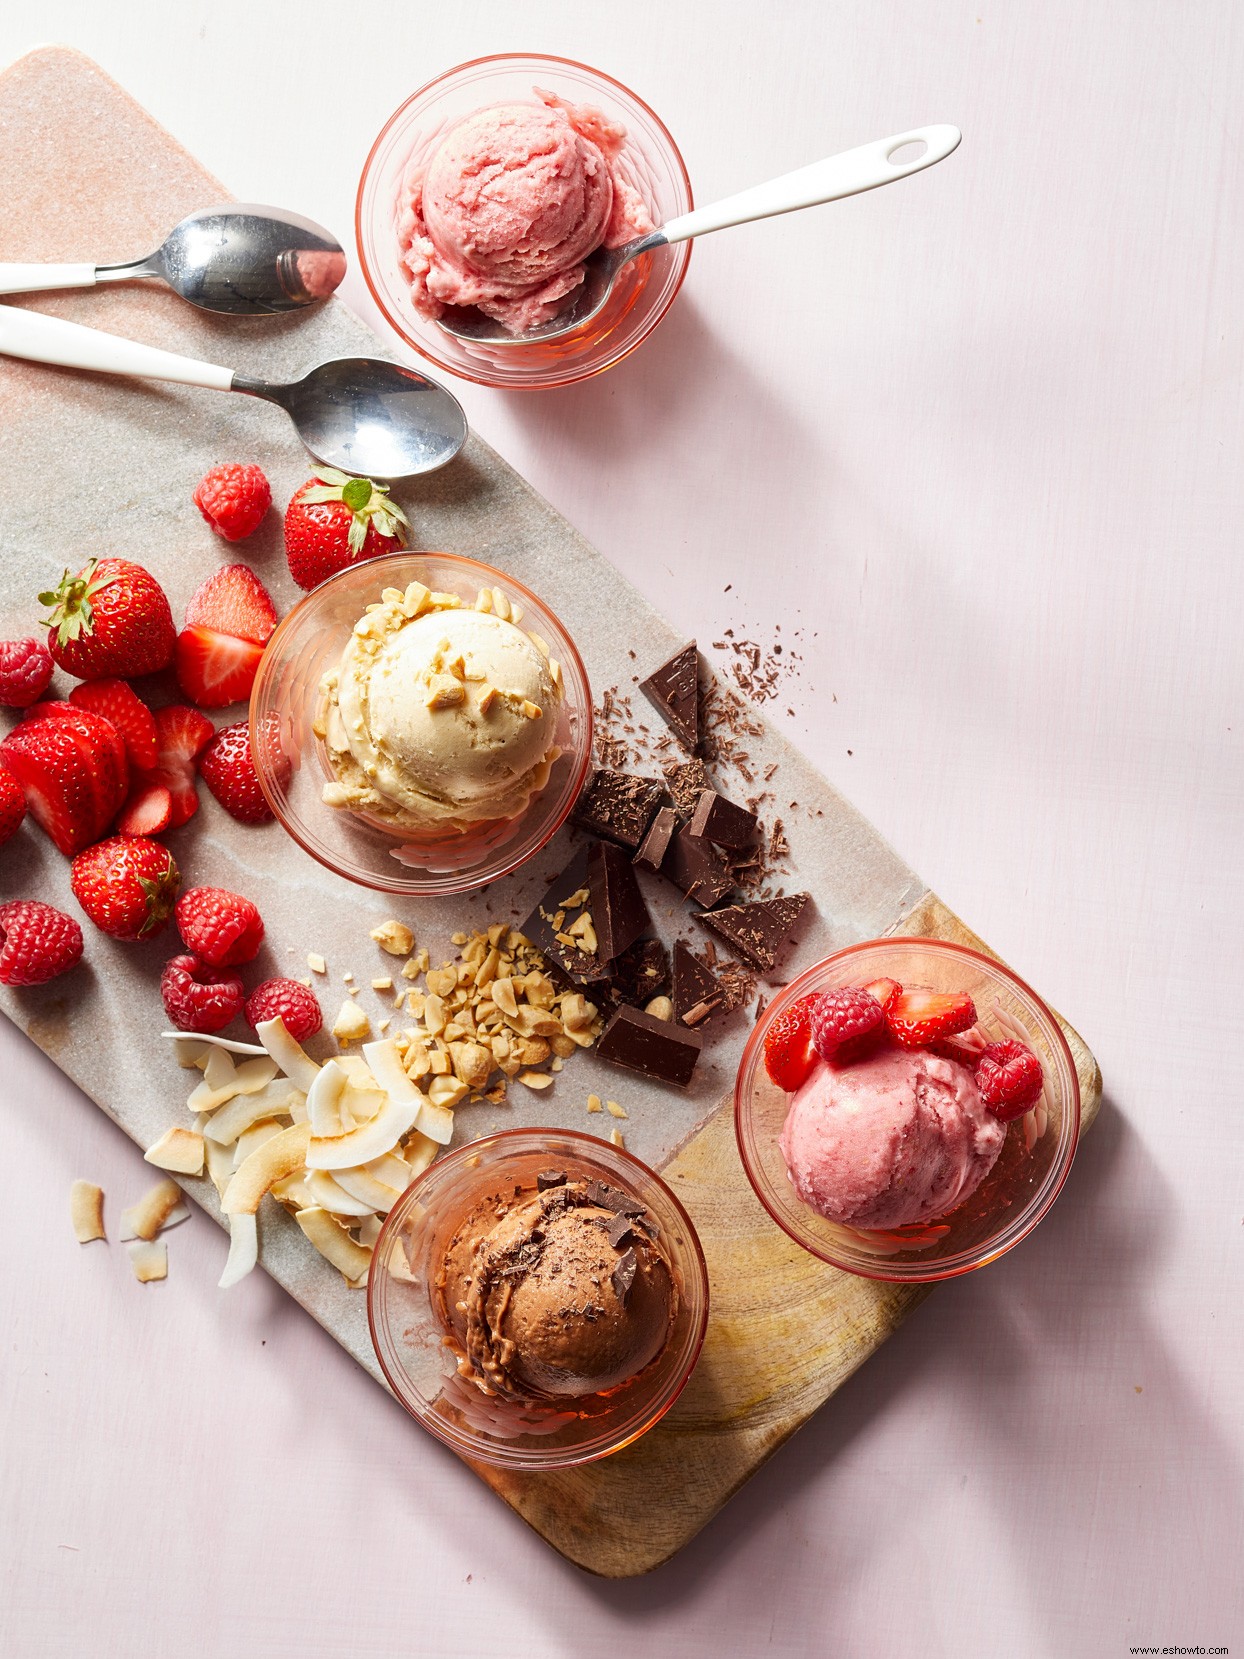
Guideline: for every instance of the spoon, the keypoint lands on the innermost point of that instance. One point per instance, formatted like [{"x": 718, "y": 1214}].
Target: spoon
[
  {"x": 824, "y": 181},
  {"x": 360, "y": 414},
  {"x": 245, "y": 260}
]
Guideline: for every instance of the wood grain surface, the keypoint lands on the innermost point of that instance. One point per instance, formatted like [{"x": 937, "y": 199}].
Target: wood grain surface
[{"x": 785, "y": 1330}]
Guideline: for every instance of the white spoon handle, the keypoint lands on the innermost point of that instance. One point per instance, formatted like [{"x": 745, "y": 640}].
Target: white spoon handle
[
  {"x": 31, "y": 279},
  {"x": 824, "y": 181},
  {"x": 44, "y": 339}
]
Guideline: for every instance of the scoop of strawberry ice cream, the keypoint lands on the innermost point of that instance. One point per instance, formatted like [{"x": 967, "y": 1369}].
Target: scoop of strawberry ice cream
[
  {"x": 504, "y": 210},
  {"x": 902, "y": 1136}
]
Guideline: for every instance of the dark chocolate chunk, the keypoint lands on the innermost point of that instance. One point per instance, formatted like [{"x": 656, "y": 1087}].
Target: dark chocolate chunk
[
  {"x": 761, "y": 931},
  {"x": 641, "y": 973},
  {"x": 686, "y": 783},
  {"x": 623, "y": 1276},
  {"x": 619, "y": 1230},
  {"x": 697, "y": 995},
  {"x": 722, "y": 822},
  {"x": 573, "y": 964},
  {"x": 697, "y": 869},
  {"x": 619, "y": 914},
  {"x": 618, "y": 806},
  {"x": 606, "y": 1197},
  {"x": 550, "y": 1178},
  {"x": 661, "y": 1049},
  {"x": 674, "y": 691},
  {"x": 655, "y": 845}
]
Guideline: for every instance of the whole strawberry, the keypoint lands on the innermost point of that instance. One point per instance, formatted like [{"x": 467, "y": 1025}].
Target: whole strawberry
[
  {"x": 127, "y": 885},
  {"x": 25, "y": 672},
  {"x": 199, "y": 998},
  {"x": 36, "y": 943},
  {"x": 233, "y": 499},
  {"x": 289, "y": 1000},
  {"x": 221, "y": 928},
  {"x": 227, "y": 767},
  {"x": 334, "y": 521},
  {"x": 12, "y": 805},
  {"x": 110, "y": 621}
]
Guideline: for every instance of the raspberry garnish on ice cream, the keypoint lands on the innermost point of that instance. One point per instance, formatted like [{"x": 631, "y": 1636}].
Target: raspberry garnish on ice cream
[
  {"x": 1010, "y": 1079},
  {"x": 845, "y": 1021}
]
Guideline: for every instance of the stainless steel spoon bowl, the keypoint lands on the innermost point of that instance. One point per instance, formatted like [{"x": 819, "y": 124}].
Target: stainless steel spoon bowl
[
  {"x": 824, "y": 181},
  {"x": 361, "y": 414},
  {"x": 240, "y": 259}
]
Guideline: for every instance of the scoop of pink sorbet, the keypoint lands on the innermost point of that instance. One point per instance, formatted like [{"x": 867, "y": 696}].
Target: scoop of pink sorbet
[
  {"x": 895, "y": 1138},
  {"x": 509, "y": 204}
]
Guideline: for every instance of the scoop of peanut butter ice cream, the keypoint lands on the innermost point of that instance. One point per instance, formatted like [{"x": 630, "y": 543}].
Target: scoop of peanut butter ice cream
[{"x": 568, "y": 1293}]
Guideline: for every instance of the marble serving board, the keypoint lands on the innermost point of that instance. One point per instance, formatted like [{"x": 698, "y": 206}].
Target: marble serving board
[{"x": 85, "y": 173}]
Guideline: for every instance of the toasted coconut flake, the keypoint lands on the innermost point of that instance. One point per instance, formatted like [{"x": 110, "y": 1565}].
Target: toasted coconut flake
[
  {"x": 290, "y": 1056},
  {"x": 328, "y": 1195},
  {"x": 365, "y": 1188},
  {"x": 175, "y": 1217},
  {"x": 259, "y": 1134},
  {"x": 205, "y": 1039},
  {"x": 360, "y": 1106},
  {"x": 190, "y": 1052},
  {"x": 86, "y": 1211},
  {"x": 371, "y": 1140},
  {"x": 293, "y": 1191},
  {"x": 285, "y": 1153},
  {"x": 419, "y": 1152},
  {"x": 152, "y": 1210},
  {"x": 243, "y": 1250},
  {"x": 219, "y": 1164},
  {"x": 369, "y": 1232},
  {"x": 334, "y": 1243},
  {"x": 177, "y": 1149},
  {"x": 436, "y": 1122},
  {"x": 324, "y": 1100},
  {"x": 275, "y": 1100},
  {"x": 148, "y": 1259}
]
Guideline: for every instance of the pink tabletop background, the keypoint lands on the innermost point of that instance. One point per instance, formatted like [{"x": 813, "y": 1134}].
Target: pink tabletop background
[{"x": 984, "y": 447}]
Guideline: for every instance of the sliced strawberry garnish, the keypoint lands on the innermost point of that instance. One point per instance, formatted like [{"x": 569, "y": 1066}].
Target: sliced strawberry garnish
[
  {"x": 789, "y": 1054},
  {"x": 181, "y": 733},
  {"x": 233, "y": 601},
  {"x": 885, "y": 990},
  {"x": 118, "y": 702},
  {"x": 148, "y": 810},
  {"x": 46, "y": 759},
  {"x": 214, "y": 669},
  {"x": 919, "y": 1018},
  {"x": 102, "y": 750}
]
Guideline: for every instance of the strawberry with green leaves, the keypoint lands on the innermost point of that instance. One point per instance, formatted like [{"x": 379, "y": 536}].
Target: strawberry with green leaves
[
  {"x": 127, "y": 885},
  {"x": 110, "y": 621},
  {"x": 335, "y": 521}
]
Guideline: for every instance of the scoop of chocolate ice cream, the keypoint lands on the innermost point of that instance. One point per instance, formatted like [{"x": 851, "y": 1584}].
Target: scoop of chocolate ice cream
[{"x": 567, "y": 1293}]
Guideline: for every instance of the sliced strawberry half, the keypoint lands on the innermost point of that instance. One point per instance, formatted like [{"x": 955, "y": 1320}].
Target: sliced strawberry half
[
  {"x": 118, "y": 702},
  {"x": 47, "y": 760},
  {"x": 181, "y": 733},
  {"x": 233, "y": 601},
  {"x": 789, "y": 1054},
  {"x": 920, "y": 1018},
  {"x": 885, "y": 990},
  {"x": 102, "y": 750},
  {"x": 148, "y": 810},
  {"x": 215, "y": 669}
]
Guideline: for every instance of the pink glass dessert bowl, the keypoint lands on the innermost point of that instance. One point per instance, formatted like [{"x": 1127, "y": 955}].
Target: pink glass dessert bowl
[
  {"x": 1030, "y": 1169},
  {"x": 649, "y": 159}
]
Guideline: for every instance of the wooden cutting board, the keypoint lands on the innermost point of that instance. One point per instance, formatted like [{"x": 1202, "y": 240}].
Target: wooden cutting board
[{"x": 85, "y": 173}]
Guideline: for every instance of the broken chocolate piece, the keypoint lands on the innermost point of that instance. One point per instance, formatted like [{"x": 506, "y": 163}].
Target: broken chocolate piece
[
  {"x": 697, "y": 869},
  {"x": 578, "y": 966},
  {"x": 761, "y": 931},
  {"x": 618, "y": 806},
  {"x": 619, "y": 914},
  {"x": 623, "y": 1277},
  {"x": 661, "y": 1049},
  {"x": 655, "y": 844},
  {"x": 686, "y": 783},
  {"x": 550, "y": 1178},
  {"x": 641, "y": 973},
  {"x": 619, "y": 1230},
  {"x": 722, "y": 822},
  {"x": 674, "y": 691},
  {"x": 697, "y": 995}
]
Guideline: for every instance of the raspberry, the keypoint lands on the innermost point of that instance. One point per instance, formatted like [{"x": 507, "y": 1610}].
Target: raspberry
[
  {"x": 25, "y": 672},
  {"x": 36, "y": 942},
  {"x": 290, "y": 1001},
  {"x": 233, "y": 499},
  {"x": 12, "y": 805},
  {"x": 1010, "y": 1079},
  {"x": 220, "y": 927},
  {"x": 199, "y": 998},
  {"x": 845, "y": 1022}
]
